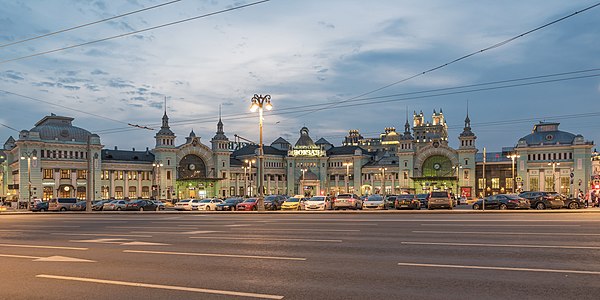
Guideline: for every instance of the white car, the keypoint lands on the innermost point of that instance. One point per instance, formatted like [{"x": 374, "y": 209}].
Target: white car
[
  {"x": 206, "y": 204},
  {"x": 374, "y": 202},
  {"x": 318, "y": 203},
  {"x": 184, "y": 204}
]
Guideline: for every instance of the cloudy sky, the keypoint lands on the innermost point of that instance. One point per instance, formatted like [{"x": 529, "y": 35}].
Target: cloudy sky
[{"x": 328, "y": 65}]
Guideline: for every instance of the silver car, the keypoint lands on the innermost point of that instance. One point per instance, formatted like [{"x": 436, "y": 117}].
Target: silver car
[
  {"x": 347, "y": 201},
  {"x": 115, "y": 205},
  {"x": 374, "y": 202}
]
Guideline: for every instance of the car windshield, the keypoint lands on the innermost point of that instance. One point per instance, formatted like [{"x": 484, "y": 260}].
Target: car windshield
[
  {"x": 375, "y": 198},
  {"x": 407, "y": 196},
  {"x": 251, "y": 200},
  {"x": 513, "y": 197},
  {"x": 205, "y": 201},
  {"x": 439, "y": 194},
  {"x": 292, "y": 200},
  {"x": 345, "y": 196},
  {"x": 270, "y": 198},
  {"x": 230, "y": 201},
  {"x": 184, "y": 201},
  {"x": 317, "y": 199}
]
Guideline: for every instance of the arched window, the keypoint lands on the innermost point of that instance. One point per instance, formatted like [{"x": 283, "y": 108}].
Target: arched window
[{"x": 132, "y": 192}]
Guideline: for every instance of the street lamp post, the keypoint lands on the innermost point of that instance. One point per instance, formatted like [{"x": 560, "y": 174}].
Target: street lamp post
[
  {"x": 157, "y": 164},
  {"x": 457, "y": 168},
  {"x": 347, "y": 165},
  {"x": 553, "y": 164},
  {"x": 512, "y": 157},
  {"x": 247, "y": 167},
  {"x": 382, "y": 181},
  {"x": 303, "y": 170},
  {"x": 29, "y": 156},
  {"x": 258, "y": 102}
]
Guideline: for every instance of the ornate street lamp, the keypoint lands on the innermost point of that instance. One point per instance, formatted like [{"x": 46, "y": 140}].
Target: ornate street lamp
[
  {"x": 29, "y": 156},
  {"x": 383, "y": 181},
  {"x": 247, "y": 167},
  {"x": 457, "y": 168},
  {"x": 347, "y": 165},
  {"x": 157, "y": 165},
  {"x": 258, "y": 103},
  {"x": 512, "y": 157},
  {"x": 553, "y": 164}
]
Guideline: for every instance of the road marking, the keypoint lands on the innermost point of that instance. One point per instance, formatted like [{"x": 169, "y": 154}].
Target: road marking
[
  {"x": 296, "y": 229},
  {"x": 262, "y": 239},
  {"x": 500, "y": 268},
  {"x": 102, "y": 234},
  {"x": 136, "y": 227},
  {"x": 174, "y": 232},
  {"x": 42, "y": 247},
  {"x": 47, "y": 226},
  {"x": 49, "y": 258},
  {"x": 501, "y": 225},
  {"x": 216, "y": 255},
  {"x": 121, "y": 242},
  {"x": 508, "y": 233},
  {"x": 161, "y": 286},
  {"x": 238, "y": 225},
  {"x": 502, "y": 245}
]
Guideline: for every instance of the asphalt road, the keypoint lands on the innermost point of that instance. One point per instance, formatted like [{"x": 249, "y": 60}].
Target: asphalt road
[{"x": 300, "y": 256}]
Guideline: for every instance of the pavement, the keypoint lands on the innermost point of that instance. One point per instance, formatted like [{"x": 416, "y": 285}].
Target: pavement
[{"x": 300, "y": 256}]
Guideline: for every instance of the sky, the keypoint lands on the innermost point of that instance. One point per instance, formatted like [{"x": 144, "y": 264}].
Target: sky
[{"x": 331, "y": 66}]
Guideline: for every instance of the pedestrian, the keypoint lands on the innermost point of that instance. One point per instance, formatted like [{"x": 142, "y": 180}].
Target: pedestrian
[{"x": 587, "y": 200}]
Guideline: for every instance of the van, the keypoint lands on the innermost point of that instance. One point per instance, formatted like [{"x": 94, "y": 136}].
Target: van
[{"x": 61, "y": 204}]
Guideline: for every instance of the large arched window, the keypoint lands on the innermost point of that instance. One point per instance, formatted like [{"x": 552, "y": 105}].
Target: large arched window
[
  {"x": 132, "y": 192},
  {"x": 192, "y": 167},
  {"x": 437, "y": 166}
]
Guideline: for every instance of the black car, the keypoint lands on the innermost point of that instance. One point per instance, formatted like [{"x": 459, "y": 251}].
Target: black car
[
  {"x": 78, "y": 206},
  {"x": 97, "y": 205},
  {"x": 229, "y": 204},
  {"x": 275, "y": 202},
  {"x": 390, "y": 201},
  {"x": 543, "y": 200},
  {"x": 502, "y": 201},
  {"x": 572, "y": 203},
  {"x": 39, "y": 206},
  {"x": 141, "y": 205},
  {"x": 424, "y": 199},
  {"x": 409, "y": 201}
]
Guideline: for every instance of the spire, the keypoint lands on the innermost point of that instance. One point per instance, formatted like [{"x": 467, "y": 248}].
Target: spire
[
  {"x": 406, "y": 125},
  {"x": 220, "y": 134},
  {"x": 165, "y": 129},
  {"x": 467, "y": 120}
]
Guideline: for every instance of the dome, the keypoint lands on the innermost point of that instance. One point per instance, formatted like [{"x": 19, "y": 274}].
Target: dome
[
  {"x": 305, "y": 141},
  {"x": 55, "y": 127},
  {"x": 548, "y": 134}
]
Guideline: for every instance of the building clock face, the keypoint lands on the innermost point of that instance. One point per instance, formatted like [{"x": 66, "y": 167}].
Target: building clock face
[
  {"x": 437, "y": 166},
  {"x": 192, "y": 167}
]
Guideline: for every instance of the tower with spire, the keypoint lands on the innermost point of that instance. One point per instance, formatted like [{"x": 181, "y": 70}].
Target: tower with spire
[
  {"x": 165, "y": 156},
  {"x": 165, "y": 138},
  {"x": 466, "y": 154},
  {"x": 221, "y": 156}
]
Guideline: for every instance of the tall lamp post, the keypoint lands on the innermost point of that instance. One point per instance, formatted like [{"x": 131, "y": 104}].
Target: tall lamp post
[
  {"x": 512, "y": 157},
  {"x": 26, "y": 155},
  {"x": 383, "y": 181},
  {"x": 347, "y": 165},
  {"x": 303, "y": 170},
  {"x": 457, "y": 168},
  {"x": 157, "y": 164},
  {"x": 553, "y": 164},
  {"x": 247, "y": 167},
  {"x": 258, "y": 103}
]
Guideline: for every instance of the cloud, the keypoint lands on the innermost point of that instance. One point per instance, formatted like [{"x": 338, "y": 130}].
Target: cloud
[
  {"x": 120, "y": 83},
  {"x": 326, "y": 25},
  {"x": 14, "y": 75},
  {"x": 98, "y": 72}
]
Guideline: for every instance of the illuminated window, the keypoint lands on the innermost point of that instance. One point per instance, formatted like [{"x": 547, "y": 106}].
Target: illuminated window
[
  {"x": 81, "y": 174},
  {"x": 48, "y": 174},
  {"x": 65, "y": 174},
  {"x": 495, "y": 183}
]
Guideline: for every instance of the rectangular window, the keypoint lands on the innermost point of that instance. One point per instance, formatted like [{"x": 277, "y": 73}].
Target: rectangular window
[
  {"x": 550, "y": 183},
  {"x": 120, "y": 175},
  {"x": 481, "y": 183},
  {"x": 70, "y": 154},
  {"x": 48, "y": 174},
  {"x": 534, "y": 183},
  {"x": 168, "y": 175},
  {"x": 509, "y": 184},
  {"x": 495, "y": 183},
  {"x": 65, "y": 174},
  {"x": 81, "y": 174}
]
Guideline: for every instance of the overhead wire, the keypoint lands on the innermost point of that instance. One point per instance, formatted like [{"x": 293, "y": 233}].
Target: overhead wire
[
  {"x": 134, "y": 32},
  {"x": 499, "y": 44},
  {"x": 87, "y": 24}
]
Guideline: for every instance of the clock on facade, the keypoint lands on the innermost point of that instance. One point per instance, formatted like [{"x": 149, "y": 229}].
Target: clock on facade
[
  {"x": 437, "y": 166},
  {"x": 192, "y": 167}
]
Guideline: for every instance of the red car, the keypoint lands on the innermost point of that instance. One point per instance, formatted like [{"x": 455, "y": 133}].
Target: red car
[{"x": 248, "y": 204}]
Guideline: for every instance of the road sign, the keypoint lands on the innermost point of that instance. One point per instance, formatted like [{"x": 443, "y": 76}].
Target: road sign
[{"x": 519, "y": 179}]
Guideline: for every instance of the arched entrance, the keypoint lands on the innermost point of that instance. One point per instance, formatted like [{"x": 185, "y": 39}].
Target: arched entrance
[
  {"x": 192, "y": 179},
  {"x": 437, "y": 173}
]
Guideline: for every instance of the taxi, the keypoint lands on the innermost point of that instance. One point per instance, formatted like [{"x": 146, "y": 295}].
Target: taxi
[{"x": 293, "y": 203}]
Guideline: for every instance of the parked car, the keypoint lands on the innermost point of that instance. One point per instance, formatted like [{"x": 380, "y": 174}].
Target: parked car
[
  {"x": 185, "y": 204},
  {"x": 543, "y": 200},
  {"x": 207, "y": 204},
  {"x": 502, "y": 201},
  {"x": 408, "y": 201},
  {"x": 161, "y": 205},
  {"x": 61, "y": 204},
  {"x": 248, "y": 204},
  {"x": 98, "y": 205},
  {"x": 229, "y": 204},
  {"x": 318, "y": 203},
  {"x": 79, "y": 206},
  {"x": 440, "y": 199},
  {"x": 347, "y": 201},
  {"x": 390, "y": 202},
  {"x": 424, "y": 199},
  {"x": 572, "y": 203},
  {"x": 141, "y": 205},
  {"x": 115, "y": 205},
  {"x": 276, "y": 199},
  {"x": 375, "y": 202},
  {"x": 39, "y": 206},
  {"x": 293, "y": 203}
]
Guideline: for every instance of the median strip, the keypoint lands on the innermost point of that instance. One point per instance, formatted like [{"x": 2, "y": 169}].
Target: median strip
[
  {"x": 161, "y": 286},
  {"x": 215, "y": 255}
]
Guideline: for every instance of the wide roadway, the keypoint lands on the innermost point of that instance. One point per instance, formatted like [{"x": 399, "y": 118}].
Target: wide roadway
[{"x": 300, "y": 256}]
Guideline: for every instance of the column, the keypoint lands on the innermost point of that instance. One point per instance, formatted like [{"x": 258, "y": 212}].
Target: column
[
  {"x": 56, "y": 183},
  {"x": 268, "y": 184},
  {"x": 111, "y": 175},
  {"x": 337, "y": 183},
  {"x": 139, "y": 185},
  {"x": 126, "y": 187},
  {"x": 393, "y": 183}
]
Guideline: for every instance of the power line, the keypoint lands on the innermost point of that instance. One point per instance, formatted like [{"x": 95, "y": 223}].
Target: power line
[
  {"x": 8, "y": 127},
  {"x": 497, "y": 45},
  {"x": 135, "y": 32},
  {"x": 87, "y": 24}
]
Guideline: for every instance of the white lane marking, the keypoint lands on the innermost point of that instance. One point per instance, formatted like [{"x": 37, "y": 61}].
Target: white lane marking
[
  {"x": 161, "y": 286},
  {"x": 46, "y": 226},
  {"x": 502, "y": 245},
  {"x": 262, "y": 239},
  {"x": 136, "y": 227},
  {"x": 500, "y": 225},
  {"x": 121, "y": 242},
  {"x": 507, "y": 233},
  {"x": 174, "y": 232},
  {"x": 296, "y": 229},
  {"x": 101, "y": 234},
  {"x": 238, "y": 225},
  {"x": 42, "y": 247},
  {"x": 49, "y": 258},
  {"x": 215, "y": 255},
  {"x": 135, "y": 243},
  {"x": 499, "y": 268},
  {"x": 62, "y": 259}
]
